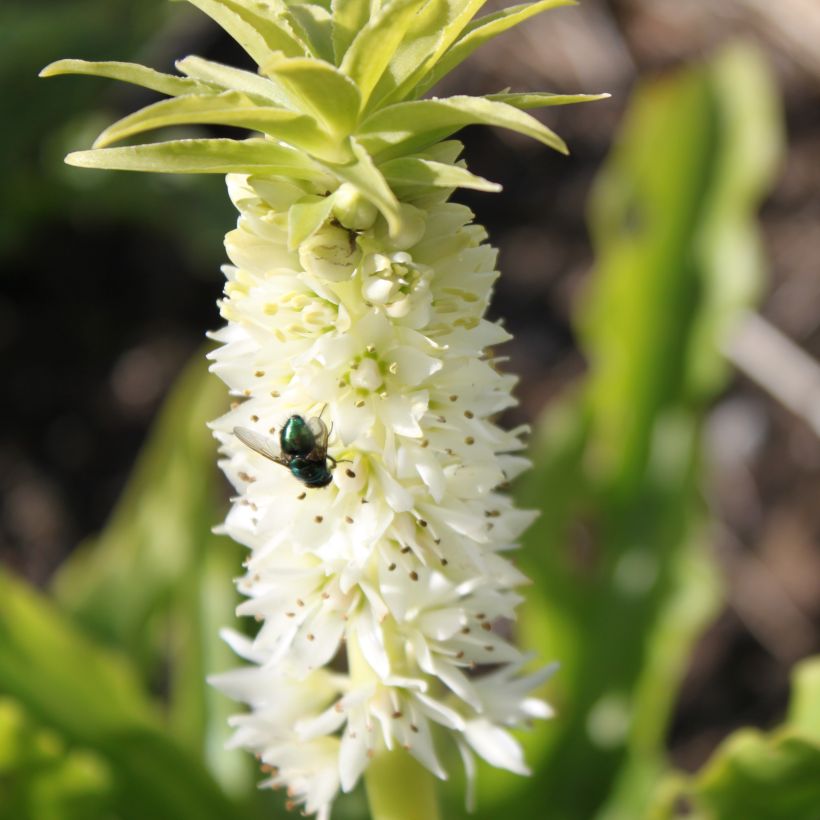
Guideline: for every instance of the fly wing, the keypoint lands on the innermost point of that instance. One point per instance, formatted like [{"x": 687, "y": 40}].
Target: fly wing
[
  {"x": 320, "y": 434},
  {"x": 263, "y": 445}
]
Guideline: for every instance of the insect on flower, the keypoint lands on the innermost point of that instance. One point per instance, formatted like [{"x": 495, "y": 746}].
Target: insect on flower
[{"x": 303, "y": 449}]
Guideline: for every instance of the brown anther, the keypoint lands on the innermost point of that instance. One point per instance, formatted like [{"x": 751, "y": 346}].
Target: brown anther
[
  {"x": 469, "y": 414},
  {"x": 349, "y": 473},
  {"x": 396, "y": 715},
  {"x": 275, "y": 394},
  {"x": 460, "y": 655},
  {"x": 424, "y": 443},
  {"x": 290, "y": 614},
  {"x": 391, "y": 567},
  {"x": 246, "y": 391},
  {"x": 422, "y": 522},
  {"x": 465, "y": 630},
  {"x": 360, "y": 403},
  {"x": 437, "y": 541},
  {"x": 310, "y": 636},
  {"x": 348, "y": 519},
  {"x": 259, "y": 374},
  {"x": 405, "y": 550},
  {"x": 487, "y": 626},
  {"x": 414, "y": 728},
  {"x": 325, "y": 595},
  {"x": 469, "y": 440},
  {"x": 454, "y": 397},
  {"x": 299, "y": 602},
  {"x": 489, "y": 648},
  {"x": 271, "y": 429},
  {"x": 481, "y": 616},
  {"x": 234, "y": 405},
  {"x": 444, "y": 562},
  {"x": 318, "y": 519},
  {"x": 414, "y": 576},
  {"x": 254, "y": 418},
  {"x": 301, "y": 496}
]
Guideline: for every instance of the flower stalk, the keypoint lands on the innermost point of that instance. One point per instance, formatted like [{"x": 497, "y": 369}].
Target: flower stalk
[{"x": 369, "y": 469}]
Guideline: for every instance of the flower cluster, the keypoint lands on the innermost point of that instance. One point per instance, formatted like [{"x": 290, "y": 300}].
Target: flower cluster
[{"x": 401, "y": 560}]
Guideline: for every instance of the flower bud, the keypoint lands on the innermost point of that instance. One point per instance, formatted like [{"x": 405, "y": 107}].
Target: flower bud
[
  {"x": 331, "y": 254},
  {"x": 352, "y": 209}
]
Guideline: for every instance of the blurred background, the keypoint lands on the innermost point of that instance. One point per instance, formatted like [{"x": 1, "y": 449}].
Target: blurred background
[{"x": 677, "y": 555}]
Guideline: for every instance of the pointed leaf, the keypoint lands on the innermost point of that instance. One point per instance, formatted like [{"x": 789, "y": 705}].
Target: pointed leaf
[
  {"x": 241, "y": 30},
  {"x": 305, "y": 218},
  {"x": 349, "y": 17},
  {"x": 228, "y": 108},
  {"x": 232, "y": 79},
  {"x": 316, "y": 27},
  {"x": 435, "y": 28},
  {"x": 319, "y": 90},
  {"x": 271, "y": 20},
  {"x": 201, "y": 156},
  {"x": 372, "y": 185},
  {"x": 479, "y": 32},
  {"x": 413, "y": 125},
  {"x": 419, "y": 171},
  {"x": 544, "y": 99},
  {"x": 376, "y": 43},
  {"x": 129, "y": 73}
]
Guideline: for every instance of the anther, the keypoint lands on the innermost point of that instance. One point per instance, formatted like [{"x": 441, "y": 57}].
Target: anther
[
  {"x": 318, "y": 519},
  {"x": 301, "y": 496},
  {"x": 469, "y": 414},
  {"x": 349, "y": 473},
  {"x": 414, "y": 576},
  {"x": 348, "y": 519},
  {"x": 254, "y": 418},
  {"x": 259, "y": 374},
  {"x": 469, "y": 440},
  {"x": 391, "y": 567},
  {"x": 487, "y": 626}
]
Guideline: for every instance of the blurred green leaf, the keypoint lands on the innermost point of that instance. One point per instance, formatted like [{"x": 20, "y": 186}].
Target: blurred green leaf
[
  {"x": 160, "y": 533},
  {"x": 623, "y": 584},
  {"x": 759, "y": 776},
  {"x": 91, "y": 699}
]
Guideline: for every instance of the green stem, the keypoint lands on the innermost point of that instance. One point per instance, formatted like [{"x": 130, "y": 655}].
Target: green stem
[{"x": 399, "y": 788}]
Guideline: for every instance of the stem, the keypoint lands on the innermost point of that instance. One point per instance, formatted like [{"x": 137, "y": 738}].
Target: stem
[{"x": 398, "y": 787}]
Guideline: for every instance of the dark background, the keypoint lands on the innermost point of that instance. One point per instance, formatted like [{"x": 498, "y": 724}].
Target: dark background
[{"x": 109, "y": 284}]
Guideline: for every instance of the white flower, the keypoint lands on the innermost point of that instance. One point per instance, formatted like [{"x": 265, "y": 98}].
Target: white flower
[{"x": 401, "y": 560}]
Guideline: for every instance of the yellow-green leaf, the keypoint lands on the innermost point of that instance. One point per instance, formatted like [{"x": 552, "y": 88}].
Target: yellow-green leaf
[
  {"x": 478, "y": 32},
  {"x": 201, "y": 156},
  {"x": 129, "y": 73},
  {"x": 317, "y": 89},
  {"x": 228, "y": 108},
  {"x": 420, "y": 171},
  {"x": 544, "y": 99},
  {"x": 232, "y": 79},
  {"x": 376, "y": 43},
  {"x": 410, "y": 126},
  {"x": 305, "y": 218}
]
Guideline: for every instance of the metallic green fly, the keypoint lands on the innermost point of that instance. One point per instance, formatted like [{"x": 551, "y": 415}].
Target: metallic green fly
[{"x": 302, "y": 449}]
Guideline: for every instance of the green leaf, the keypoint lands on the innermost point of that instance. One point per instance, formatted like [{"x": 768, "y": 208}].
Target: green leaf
[
  {"x": 319, "y": 90},
  {"x": 420, "y": 171},
  {"x": 245, "y": 32},
  {"x": 368, "y": 179},
  {"x": 623, "y": 579},
  {"x": 91, "y": 697},
  {"x": 315, "y": 24},
  {"x": 305, "y": 218},
  {"x": 543, "y": 99},
  {"x": 228, "y": 108},
  {"x": 376, "y": 43},
  {"x": 804, "y": 708},
  {"x": 478, "y": 32},
  {"x": 201, "y": 156},
  {"x": 232, "y": 79},
  {"x": 435, "y": 27},
  {"x": 272, "y": 20},
  {"x": 414, "y": 125},
  {"x": 129, "y": 73},
  {"x": 349, "y": 17}
]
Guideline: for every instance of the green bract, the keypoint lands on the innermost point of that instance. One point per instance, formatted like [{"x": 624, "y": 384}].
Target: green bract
[{"x": 336, "y": 96}]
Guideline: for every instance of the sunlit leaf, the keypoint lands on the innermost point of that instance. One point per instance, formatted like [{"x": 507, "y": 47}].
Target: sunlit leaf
[
  {"x": 200, "y": 156},
  {"x": 409, "y": 126},
  {"x": 129, "y": 73}
]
